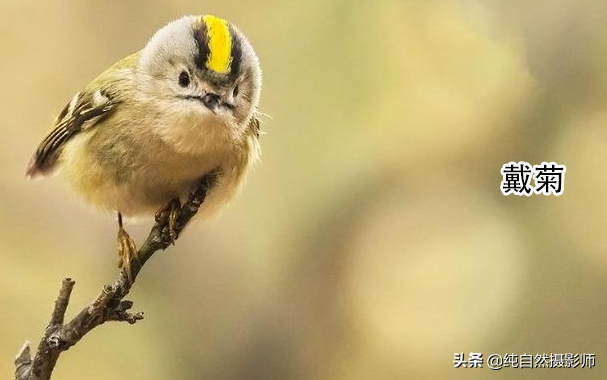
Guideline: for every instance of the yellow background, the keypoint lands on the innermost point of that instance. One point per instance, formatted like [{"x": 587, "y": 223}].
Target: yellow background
[{"x": 373, "y": 241}]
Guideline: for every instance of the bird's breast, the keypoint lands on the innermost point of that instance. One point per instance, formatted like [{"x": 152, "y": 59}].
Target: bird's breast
[{"x": 135, "y": 176}]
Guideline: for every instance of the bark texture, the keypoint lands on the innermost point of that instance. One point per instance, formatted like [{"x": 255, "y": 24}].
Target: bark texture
[{"x": 110, "y": 304}]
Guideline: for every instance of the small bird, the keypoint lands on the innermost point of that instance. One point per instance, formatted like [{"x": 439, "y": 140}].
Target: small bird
[{"x": 141, "y": 135}]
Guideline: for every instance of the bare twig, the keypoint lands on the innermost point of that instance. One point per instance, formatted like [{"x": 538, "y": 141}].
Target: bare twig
[{"x": 109, "y": 304}]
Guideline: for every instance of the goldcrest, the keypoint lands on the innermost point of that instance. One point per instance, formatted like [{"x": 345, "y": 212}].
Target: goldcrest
[{"x": 145, "y": 131}]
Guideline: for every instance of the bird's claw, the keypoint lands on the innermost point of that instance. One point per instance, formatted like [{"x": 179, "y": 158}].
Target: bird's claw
[
  {"x": 168, "y": 216},
  {"x": 127, "y": 253}
]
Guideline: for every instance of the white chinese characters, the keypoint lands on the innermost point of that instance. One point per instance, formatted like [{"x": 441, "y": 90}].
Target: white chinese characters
[
  {"x": 549, "y": 178},
  {"x": 497, "y": 362}
]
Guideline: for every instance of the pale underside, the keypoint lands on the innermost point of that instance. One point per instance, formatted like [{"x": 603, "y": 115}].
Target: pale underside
[{"x": 136, "y": 173}]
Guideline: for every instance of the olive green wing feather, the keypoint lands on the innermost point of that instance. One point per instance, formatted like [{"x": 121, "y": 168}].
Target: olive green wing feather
[
  {"x": 77, "y": 117},
  {"x": 83, "y": 112}
]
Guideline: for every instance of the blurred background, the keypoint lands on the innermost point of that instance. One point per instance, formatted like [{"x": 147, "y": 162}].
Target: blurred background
[{"x": 373, "y": 241}]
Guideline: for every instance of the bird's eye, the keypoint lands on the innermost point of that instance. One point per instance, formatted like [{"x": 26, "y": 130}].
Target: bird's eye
[
  {"x": 184, "y": 79},
  {"x": 235, "y": 91}
]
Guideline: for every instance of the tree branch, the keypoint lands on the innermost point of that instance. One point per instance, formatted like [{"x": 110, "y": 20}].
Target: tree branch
[{"x": 109, "y": 304}]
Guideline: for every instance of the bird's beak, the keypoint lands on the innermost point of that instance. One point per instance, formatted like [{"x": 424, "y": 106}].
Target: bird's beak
[{"x": 212, "y": 102}]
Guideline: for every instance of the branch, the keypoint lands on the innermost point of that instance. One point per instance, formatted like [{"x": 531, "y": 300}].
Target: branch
[{"x": 109, "y": 304}]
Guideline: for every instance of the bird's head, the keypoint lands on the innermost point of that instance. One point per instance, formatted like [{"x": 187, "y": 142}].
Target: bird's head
[{"x": 204, "y": 71}]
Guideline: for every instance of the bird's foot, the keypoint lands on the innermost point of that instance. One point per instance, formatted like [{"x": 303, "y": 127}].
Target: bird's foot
[
  {"x": 168, "y": 215},
  {"x": 127, "y": 253}
]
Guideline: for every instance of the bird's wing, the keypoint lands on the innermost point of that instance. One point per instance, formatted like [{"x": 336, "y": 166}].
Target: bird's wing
[
  {"x": 80, "y": 114},
  {"x": 83, "y": 112}
]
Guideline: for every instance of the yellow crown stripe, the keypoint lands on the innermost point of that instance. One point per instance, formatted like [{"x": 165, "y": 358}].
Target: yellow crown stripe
[{"x": 220, "y": 44}]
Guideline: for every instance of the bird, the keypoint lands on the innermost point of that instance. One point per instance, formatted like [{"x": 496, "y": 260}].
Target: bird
[{"x": 141, "y": 135}]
